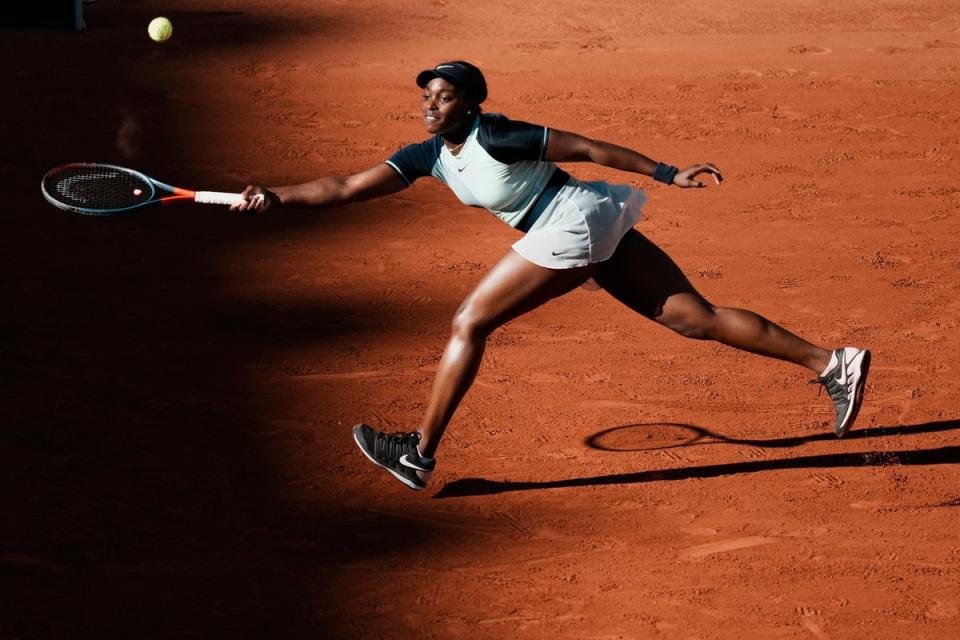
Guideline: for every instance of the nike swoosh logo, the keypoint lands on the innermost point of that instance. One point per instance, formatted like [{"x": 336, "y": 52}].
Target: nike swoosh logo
[
  {"x": 460, "y": 168},
  {"x": 405, "y": 461},
  {"x": 842, "y": 374},
  {"x": 845, "y": 368}
]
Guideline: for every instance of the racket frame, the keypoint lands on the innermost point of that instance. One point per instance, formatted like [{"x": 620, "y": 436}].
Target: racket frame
[{"x": 177, "y": 194}]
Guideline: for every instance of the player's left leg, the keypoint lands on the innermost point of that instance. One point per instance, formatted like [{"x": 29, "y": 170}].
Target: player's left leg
[{"x": 646, "y": 279}]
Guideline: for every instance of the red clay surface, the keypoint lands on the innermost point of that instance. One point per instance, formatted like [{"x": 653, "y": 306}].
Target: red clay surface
[{"x": 180, "y": 383}]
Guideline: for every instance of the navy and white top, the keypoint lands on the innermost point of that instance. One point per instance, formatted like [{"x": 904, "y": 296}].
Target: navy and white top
[{"x": 500, "y": 166}]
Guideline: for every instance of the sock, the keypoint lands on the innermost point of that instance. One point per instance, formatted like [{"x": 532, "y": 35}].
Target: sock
[
  {"x": 424, "y": 459},
  {"x": 830, "y": 365}
]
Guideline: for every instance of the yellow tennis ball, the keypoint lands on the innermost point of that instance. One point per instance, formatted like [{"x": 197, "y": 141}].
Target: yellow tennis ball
[{"x": 160, "y": 29}]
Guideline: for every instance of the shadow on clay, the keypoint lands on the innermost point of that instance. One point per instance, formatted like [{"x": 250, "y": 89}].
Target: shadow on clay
[
  {"x": 689, "y": 435},
  {"x": 645, "y": 436}
]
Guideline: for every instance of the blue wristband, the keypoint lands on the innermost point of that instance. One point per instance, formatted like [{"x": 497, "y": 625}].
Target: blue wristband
[{"x": 665, "y": 173}]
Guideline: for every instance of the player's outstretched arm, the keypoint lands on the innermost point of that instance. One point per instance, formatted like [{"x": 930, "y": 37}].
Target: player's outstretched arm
[
  {"x": 564, "y": 146},
  {"x": 329, "y": 191}
]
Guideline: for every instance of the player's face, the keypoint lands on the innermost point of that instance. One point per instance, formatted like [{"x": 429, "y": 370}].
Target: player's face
[{"x": 444, "y": 107}]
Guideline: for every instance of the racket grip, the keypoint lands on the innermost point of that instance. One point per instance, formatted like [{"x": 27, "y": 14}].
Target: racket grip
[{"x": 218, "y": 197}]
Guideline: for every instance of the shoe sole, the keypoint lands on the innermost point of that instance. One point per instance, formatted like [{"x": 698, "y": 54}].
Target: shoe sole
[
  {"x": 859, "y": 384},
  {"x": 359, "y": 440}
]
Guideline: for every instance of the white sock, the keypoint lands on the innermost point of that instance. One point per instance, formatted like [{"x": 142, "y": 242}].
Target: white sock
[{"x": 833, "y": 362}]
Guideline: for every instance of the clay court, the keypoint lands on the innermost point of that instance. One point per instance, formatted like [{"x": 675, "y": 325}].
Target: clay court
[{"x": 180, "y": 383}]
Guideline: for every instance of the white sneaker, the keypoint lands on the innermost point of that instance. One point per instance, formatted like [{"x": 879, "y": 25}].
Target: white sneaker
[{"x": 845, "y": 383}]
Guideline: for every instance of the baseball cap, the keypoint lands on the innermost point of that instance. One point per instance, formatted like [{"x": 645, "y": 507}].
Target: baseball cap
[{"x": 460, "y": 74}]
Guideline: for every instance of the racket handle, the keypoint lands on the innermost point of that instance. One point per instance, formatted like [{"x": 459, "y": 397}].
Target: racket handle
[{"x": 218, "y": 197}]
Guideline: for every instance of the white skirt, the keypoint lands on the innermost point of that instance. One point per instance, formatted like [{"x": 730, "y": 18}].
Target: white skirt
[{"x": 584, "y": 224}]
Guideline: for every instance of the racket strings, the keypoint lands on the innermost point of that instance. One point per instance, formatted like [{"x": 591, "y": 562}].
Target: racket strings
[{"x": 92, "y": 187}]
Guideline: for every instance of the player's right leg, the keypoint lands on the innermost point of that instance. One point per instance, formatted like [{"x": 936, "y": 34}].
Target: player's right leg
[{"x": 511, "y": 288}]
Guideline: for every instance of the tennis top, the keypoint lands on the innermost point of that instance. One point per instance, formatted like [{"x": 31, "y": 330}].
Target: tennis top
[{"x": 500, "y": 166}]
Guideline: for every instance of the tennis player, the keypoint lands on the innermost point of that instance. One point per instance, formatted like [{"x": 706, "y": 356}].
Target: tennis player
[{"x": 573, "y": 231}]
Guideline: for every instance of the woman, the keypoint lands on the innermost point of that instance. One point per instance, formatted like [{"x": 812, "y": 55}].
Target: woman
[{"x": 574, "y": 231}]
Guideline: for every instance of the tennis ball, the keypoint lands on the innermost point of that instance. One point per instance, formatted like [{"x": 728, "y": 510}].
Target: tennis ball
[{"x": 160, "y": 29}]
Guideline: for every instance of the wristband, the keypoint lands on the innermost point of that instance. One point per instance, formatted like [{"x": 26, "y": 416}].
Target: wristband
[
  {"x": 272, "y": 197},
  {"x": 665, "y": 173}
]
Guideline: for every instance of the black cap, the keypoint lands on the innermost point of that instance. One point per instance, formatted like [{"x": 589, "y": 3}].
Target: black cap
[{"x": 460, "y": 74}]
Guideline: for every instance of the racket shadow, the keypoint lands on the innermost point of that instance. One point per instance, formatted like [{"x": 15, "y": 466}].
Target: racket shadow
[
  {"x": 940, "y": 455},
  {"x": 648, "y": 436}
]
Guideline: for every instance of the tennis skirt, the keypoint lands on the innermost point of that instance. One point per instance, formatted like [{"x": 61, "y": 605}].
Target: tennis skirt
[{"x": 583, "y": 224}]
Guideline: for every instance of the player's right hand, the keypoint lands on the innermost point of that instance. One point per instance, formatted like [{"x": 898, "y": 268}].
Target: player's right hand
[{"x": 256, "y": 199}]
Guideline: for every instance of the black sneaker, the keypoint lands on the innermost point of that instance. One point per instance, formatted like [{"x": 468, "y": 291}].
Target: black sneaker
[
  {"x": 845, "y": 383},
  {"x": 397, "y": 453}
]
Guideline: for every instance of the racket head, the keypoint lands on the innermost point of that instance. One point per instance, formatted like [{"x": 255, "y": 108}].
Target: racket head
[{"x": 98, "y": 189}]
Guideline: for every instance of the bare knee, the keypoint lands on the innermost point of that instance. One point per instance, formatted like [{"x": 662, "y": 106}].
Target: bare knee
[
  {"x": 471, "y": 323},
  {"x": 697, "y": 322}
]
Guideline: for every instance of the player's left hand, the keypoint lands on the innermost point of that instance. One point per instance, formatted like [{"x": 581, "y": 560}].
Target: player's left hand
[{"x": 685, "y": 178}]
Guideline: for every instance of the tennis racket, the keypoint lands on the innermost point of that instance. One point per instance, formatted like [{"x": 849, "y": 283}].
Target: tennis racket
[{"x": 105, "y": 190}]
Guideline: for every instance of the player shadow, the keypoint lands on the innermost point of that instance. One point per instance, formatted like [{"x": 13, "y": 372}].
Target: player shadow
[{"x": 939, "y": 455}]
